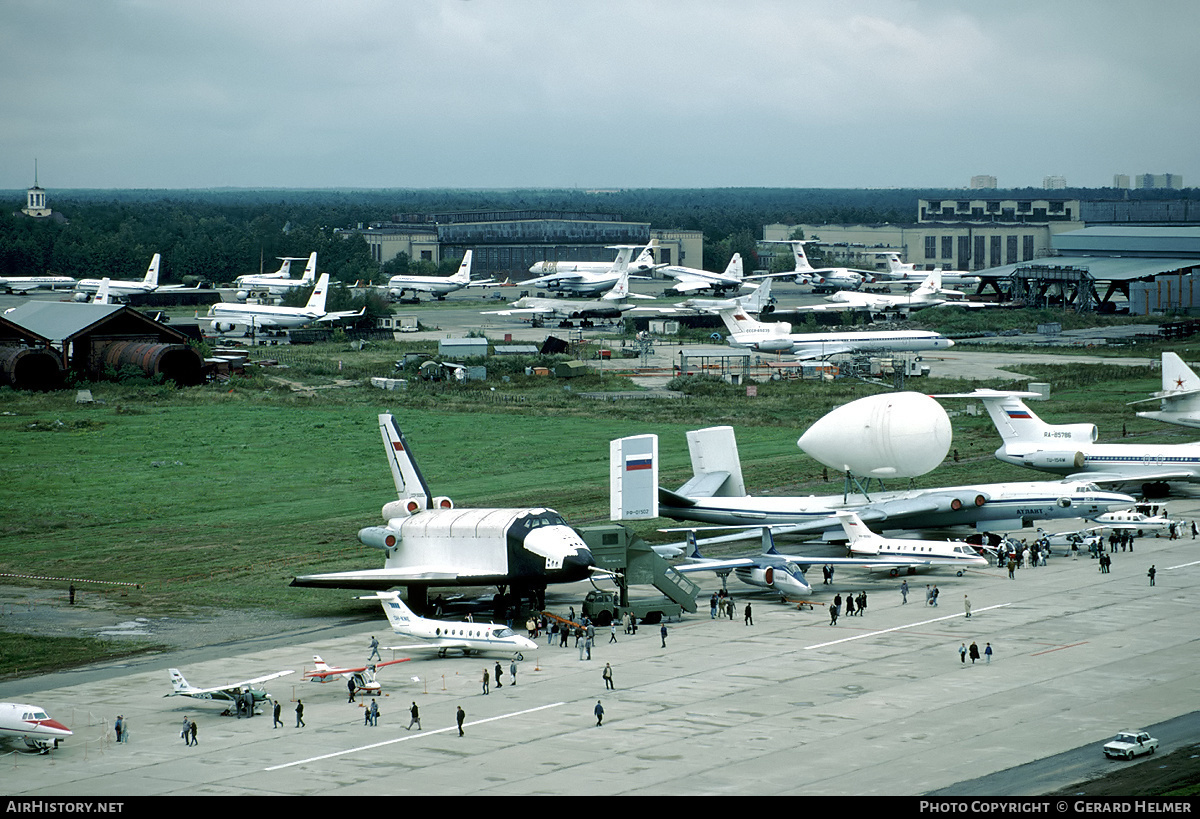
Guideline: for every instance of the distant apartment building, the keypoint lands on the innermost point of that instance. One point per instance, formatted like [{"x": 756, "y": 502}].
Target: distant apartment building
[
  {"x": 1054, "y": 183},
  {"x": 1158, "y": 180},
  {"x": 983, "y": 181}
]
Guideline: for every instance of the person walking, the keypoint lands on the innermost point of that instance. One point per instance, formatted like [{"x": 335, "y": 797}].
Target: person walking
[
  {"x": 935, "y": 596},
  {"x": 608, "y": 678},
  {"x": 663, "y": 633},
  {"x": 193, "y": 729},
  {"x": 862, "y": 603},
  {"x": 119, "y": 726},
  {"x": 849, "y": 605},
  {"x": 460, "y": 716},
  {"x": 833, "y": 614},
  {"x": 712, "y": 606},
  {"x": 278, "y": 723},
  {"x": 350, "y": 686},
  {"x": 512, "y": 670},
  {"x": 973, "y": 651},
  {"x": 599, "y": 711},
  {"x": 612, "y": 632},
  {"x": 414, "y": 717},
  {"x": 967, "y": 605},
  {"x": 299, "y": 713},
  {"x": 374, "y": 712},
  {"x": 374, "y": 650},
  {"x": 987, "y": 653},
  {"x": 499, "y": 674},
  {"x": 1151, "y": 574},
  {"x": 962, "y": 653},
  {"x": 486, "y": 679},
  {"x": 749, "y": 616},
  {"x": 903, "y": 592}
]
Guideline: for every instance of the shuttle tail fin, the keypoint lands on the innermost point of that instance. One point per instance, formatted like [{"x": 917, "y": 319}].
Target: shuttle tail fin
[{"x": 410, "y": 483}]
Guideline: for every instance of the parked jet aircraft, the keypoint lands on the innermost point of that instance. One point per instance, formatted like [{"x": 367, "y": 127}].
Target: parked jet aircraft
[
  {"x": 32, "y": 725},
  {"x": 228, "y": 315},
  {"x": 437, "y": 286},
  {"x": 824, "y": 278},
  {"x": 690, "y": 279},
  {"x": 1180, "y": 395},
  {"x": 363, "y": 676},
  {"x": 910, "y": 553},
  {"x": 102, "y": 293},
  {"x": 23, "y": 284},
  {"x": 609, "y": 306},
  {"x": 1071, "y": 449},
  {"x": 752, "y": 304},
  {"x": 148, "y": 284},
  {"x": 444, "y": 636},
  {"x": 279, "y": 282},
  {"x": 427, "y": 542},
  {"x": 777, "y": 337},
  {"x": 900, "y": 271},
  {"x": 592, "y": 278},
  {"x": 716, "y": 494},
  {"x": 225, "y": 694}
]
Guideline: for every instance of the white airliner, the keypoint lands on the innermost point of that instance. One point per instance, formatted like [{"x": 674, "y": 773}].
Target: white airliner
[
  {"x": 690, "y": 279},
  {"x": 148, "y": 284},
  {"x": 224, "y": 694},
  {"x": 824, "y": 278},
  {"x": 1179, "y": 400},
  {"x": 279, "y": 282},
  {"x": 609, "y": 306},
  {"x": 753, "y": 304},
  {"x": 907, "y": 272},
  {"x": 437, "y": 286},
  {"x": 777, "y": 337},
  {"x": 363, "y": 676},
  {"x": 1071, "y": 449},
  {"x": 444, "y": 636},
  {"x": 228, "y": 315},
  {"x": 716, "y": 494},
  {"x": 428, "y": 542},
  {"x": 23, "y": 284},
  {"x": 592, "y": 278},
  {"x": 32, "y": 725}
]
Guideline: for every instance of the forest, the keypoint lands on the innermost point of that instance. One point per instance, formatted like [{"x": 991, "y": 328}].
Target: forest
[{"x": 216, "y": 235}]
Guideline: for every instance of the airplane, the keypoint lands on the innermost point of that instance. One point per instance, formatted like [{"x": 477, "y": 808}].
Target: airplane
[
  {"x": 690, "y": 279},
  {"x": 148, "y": 284},
  {"x": 32, "y": 725},
  {"x": 754, "y": 303},
  {"x": 427, "y": 542},
  {"x": 777, "y": 337},
  {"x": 1071, "y": 449},
  {"x": 608, "y": 307},
  {"x": 900, "y": 271},
  {"x": 279, "y": 282},
  {"x": 102, "y": 294},
  {"x": 437, "y": 286},
  {"x": 23, "y": 284},
  {"x": 443, "y": 636},
  {"x": 592, "y": 278},
  {"x": 1180, "y": 395},
  {"x": 929, "y": 294},
  {"x": 1134, "y": 520},
  {"x": 363, "y": 676},
  {"x": 226, "y": 694},
  {"x": 716, "y": 494},
  {"x": 228, "y": 315},
  {"x": 822, "y": 279}
]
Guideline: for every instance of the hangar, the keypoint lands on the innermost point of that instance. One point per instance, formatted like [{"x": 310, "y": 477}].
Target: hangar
[
  {"x": 28, "y": 361},
  {"x": 92, "y": 339}
]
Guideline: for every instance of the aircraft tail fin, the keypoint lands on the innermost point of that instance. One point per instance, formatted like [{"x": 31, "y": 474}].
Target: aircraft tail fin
[
  {"x": 400, "y": 616},
  {"x": 768, "y": 542},
  {"x": 463, "y": 274},
  {"x": 859, "y": 537},
  {"x": 1017, "y": 423},
  {"x": 734, "y": 269},
  {"x": 310, "y": 269},
  {"x": 633, "y": 478},
  {"x": 316, "y": 302},
  {"x": 410, "y": 483},
  {"x": 645, "y": 259},
  {"x": 319, "y": 664},
  {"x": 736, "y": 321},
  {"x": 1177, "y": 376},
  {"x": 693, "y": 547},
  {"x": 803, "y": 265},
  {"x": 620, "y": 290},
  {"x": 759, "y": 300},
  {"x": 178, "y": 683},
  {"x": 102, "y": 292},
  {"x": 151, "y": 280},
  {"x": 716, "y": 466},
  {"x": 932, "y": 283}
]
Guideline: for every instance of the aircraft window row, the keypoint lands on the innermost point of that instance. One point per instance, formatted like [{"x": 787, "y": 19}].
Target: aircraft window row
[{"x": 460, "y": 632}]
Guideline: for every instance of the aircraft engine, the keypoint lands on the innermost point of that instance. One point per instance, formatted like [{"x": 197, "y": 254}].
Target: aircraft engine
[
  {"x": 83, "y": 297},
  {"x": 892, "y": 435},
  {"x": 379, "y": 537},
  {"x": 242, "y": 295},
  {"x": 1077, "y": 432},
  {"x": 774, "y": 345},
  {"x": 401, "y": 508},
  {"x": 1045, "y": 459},
  {"x": 222, "y": 326},
  {"x": 442, "y": 502}
]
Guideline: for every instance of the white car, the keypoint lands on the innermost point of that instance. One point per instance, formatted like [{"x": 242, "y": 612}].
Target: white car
[{"x": 1128, "y": 744}]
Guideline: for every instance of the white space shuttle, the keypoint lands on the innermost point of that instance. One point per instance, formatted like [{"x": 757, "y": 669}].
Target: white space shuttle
[
  {"x": 437, "y": 286},
  {"x": 777, "y": 337},
  {"x": 1179, "y": 400}
]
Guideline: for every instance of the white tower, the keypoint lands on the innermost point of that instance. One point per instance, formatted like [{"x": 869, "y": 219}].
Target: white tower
[{"x": 35, "y": 199}]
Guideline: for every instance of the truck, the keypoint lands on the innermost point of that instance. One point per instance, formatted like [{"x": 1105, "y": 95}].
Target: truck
[{"x": 603, "y": 607}]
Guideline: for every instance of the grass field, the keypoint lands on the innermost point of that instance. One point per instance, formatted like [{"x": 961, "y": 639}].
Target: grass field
[{"x": 216, "y": 496}]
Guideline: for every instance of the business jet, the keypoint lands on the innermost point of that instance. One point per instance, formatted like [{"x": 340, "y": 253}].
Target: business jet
[
  {"x": 444, "y": 636},
  {"x": 23, "y": 284},
  {"x": 228, "y": 315},
  {"x": 823, "y": 279},
  {"x": 437, "y": 286},
  {"x": 279, "y": 282},
  {"x": 907, "y": 272},
  {"x": 608, "y": 307},
  {"x": 363, "y": 676},
  {"x": 777, "y": 337},
  {"x": 1071, "y": 449},
  {"x": 148, "y": 284},
  {"x": 690, "y": 279},
  {"x": 225, "y": 694},
  {"x": 32, "y": 725},
  {"x": 1179, "y": 400},
  {"x": 716, "y": 494},
  {"x": 428, "y": 542},
  {"x": 592, "y": 278}
]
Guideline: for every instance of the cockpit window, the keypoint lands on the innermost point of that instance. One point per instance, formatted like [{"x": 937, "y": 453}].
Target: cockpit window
[
  {"x": 546, "y": 518},
  {"x": 502, "y": 632}
]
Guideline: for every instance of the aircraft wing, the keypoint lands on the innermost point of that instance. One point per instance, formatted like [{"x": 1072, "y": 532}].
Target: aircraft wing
[
  {"x": 832, "y": 307},
  {"x": 1168, "y": 397},
  {"x": 821, "y": 350},
  {"x": 1136, "y": 474},
  {"x": 571, "y": 276},
  {"x": 482, "y": 283},
  {"x": 331, "y": 672},
  {"x": 378, "y": 579},
  {"x": 232, "y": 687},
  {"x": 21, "y": 287},
  {"x": 343, "y": 314},
  {"x": 520, "y": 311}
]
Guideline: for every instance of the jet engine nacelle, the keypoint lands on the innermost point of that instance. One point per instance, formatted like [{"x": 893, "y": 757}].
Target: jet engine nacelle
[
  {"x": 401, "y": 508},
  {"x": 1087, "y": 433},
  {"x": 954, "y": 504},
  {"x": 379, "y": 537},
  {"x": 442, "y": 502},
  {"x": 1047, "y": 459},
  {"x": 82, "y": 297},
  {"x": 242, "y": 295},
  {"x": 774, "y": 345},
  {"x": 223, "y": 326}
]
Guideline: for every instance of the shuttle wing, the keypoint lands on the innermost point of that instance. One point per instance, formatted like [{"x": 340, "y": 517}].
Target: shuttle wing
[{"x": 379, "y": 579}]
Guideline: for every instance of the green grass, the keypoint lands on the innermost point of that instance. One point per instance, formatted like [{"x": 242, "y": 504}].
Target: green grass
[{"x": 26, "y": 655}]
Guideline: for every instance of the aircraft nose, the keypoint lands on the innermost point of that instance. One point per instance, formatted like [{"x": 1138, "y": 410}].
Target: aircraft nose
[{"x": 949, "y": 342}]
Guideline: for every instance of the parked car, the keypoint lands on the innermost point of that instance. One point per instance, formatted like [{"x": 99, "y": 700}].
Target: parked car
[{"x": 1128, "y": 744}]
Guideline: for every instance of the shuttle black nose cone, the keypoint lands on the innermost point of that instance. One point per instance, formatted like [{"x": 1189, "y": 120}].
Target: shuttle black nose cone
[{"x": 578, "y": 564}]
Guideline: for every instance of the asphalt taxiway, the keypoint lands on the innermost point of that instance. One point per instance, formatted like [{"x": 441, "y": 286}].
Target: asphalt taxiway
[{"x": 878, "y": 704}]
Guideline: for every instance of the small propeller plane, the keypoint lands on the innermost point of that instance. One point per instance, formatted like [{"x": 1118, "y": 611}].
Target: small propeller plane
[
  {"x": 226, "y": 694},
  {"x": 31, "y": 724},
  {"x": 364, "y": 676}
]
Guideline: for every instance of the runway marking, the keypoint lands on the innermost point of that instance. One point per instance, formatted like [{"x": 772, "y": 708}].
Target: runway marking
[
  {"x": 902, "y": 628},
  {"x": 407, "y": 737},
  {"x": 1182, "y": 565},
  {"x": 1057, "y": 648}
]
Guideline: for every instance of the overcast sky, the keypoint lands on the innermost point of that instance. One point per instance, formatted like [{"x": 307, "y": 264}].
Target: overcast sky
[{"x": 594, "y": 93}]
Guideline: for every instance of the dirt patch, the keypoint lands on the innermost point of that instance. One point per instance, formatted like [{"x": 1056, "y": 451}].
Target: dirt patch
[{"x": 1175, "y": 774}]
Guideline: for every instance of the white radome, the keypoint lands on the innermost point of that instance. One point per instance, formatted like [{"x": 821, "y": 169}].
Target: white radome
[{"x": 894, "y": 435}]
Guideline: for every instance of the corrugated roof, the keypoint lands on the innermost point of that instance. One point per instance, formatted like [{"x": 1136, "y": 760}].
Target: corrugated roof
[
  {"x": 58, "y": 320},
  {"x": 1101, "y": 268}
]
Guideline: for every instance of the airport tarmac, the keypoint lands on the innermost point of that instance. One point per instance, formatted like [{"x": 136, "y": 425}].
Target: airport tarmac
[{"x": 878, "y": 704}]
